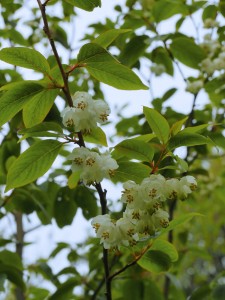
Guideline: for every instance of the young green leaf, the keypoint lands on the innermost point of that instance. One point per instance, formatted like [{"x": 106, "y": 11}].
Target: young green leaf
[
  {"x": 107, "y": 37},
  {"x": 158, "y": 124},
  {"x": 96, "y": 136},
  {"x": 14, "y": 99},
  {"x": 177, "y": 126},
  {"x": 187, "y": 52},
  {"x": 73, "y": 180},
  {"x": 88, "y": 5},
  {"x": 33, "y": 163},
  {"x": 35, "y": 111},
  {"x": 134, "y": 149},
  {"x": 26, "y": 58},
  {"x": 105, "y": 68}
]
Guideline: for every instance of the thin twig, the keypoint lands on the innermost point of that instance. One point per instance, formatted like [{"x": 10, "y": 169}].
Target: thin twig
[
  {"x": 130, "y": 264},
  {"x": 53, "y": 46}
]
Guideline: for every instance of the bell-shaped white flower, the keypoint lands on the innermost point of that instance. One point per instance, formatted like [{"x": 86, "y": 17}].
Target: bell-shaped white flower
[
  {"x": 93, "y": 166},
  {"x": 102, "y": 111},
  {"x": 85, "y": 113}
]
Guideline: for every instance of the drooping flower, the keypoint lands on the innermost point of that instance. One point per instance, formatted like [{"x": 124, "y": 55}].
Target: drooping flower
[
  {"x": 85, "y": 113},
  {"x": 93, "y": 166}
]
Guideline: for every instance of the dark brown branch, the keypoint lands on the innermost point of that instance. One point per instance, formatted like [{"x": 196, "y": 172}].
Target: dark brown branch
[
  {"x": 102, "y": 194},
  {"x": 19, "y": 248},
  {"x": 130, "y": 264},
  {"x": 55, "y": 52}
]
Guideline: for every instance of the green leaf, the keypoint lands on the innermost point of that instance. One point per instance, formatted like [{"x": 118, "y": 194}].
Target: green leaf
[
  {"x": 65, "y": 290},
  {"x": 36, "y": 293},
  {"x": 33, "y": 163},
  {"x": 26, "y": 58},
  {"x": 177, "y": 126},
  {"x": 45, "y": 129},
  {"x": 73, "y": 179},
  {"x": 11, "y": 259},
  {"x": 187, "y": 139},
  {"x": 105, "y": 68},
  {"x": 133, "y": 50},
  {"x": 14, "y": 99},
  {"x": 13, "y": 274},
  {"x": 160, "y": 56},
  {"x": 64, "y": 208},
  {"x": 187, "y": 52},
  {"x": 201, "y": 293},
  {"x": 195, "y": 129},
  {"x": 88, "y": 5},
  {"x": 86, "y": 200},
  {"x": 107, "y": 37},
  {"x": 163, "y": 10},
  {"x": 96, "y": 136},
  {"x": 218, "y": 293},
  {"x": 35, "y": 111},
  {"x": 155, "y": 261},
  {"x": 209, "y": 12},
  {"x": 167, "y": 248},
  {"x": 131, "y": 171},
  {"x": 151, "y": 288},
  {"x": 134, "y": 149},
  {"x": 158, "y": 124},
  {"x": 179, "y": 221},
  {"x": 145, "y": 137}
]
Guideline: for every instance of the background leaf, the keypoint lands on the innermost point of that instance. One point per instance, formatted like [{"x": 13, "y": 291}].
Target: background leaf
[
  {"x": 193, "y": 54},
  {"x": 32, "y": 163},
  {"x": 14, "y": 99}
]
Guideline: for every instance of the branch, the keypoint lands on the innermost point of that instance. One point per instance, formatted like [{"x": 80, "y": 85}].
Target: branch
[
  {"x": 19, "y": 248},
  {"x": 130, "y": 264},
  {"x": 102, "y": 194},
  {"x": 47, "y": 31}
]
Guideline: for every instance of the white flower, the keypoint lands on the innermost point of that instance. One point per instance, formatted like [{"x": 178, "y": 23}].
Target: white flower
[
  {"x": 158, "y": 69},
  {"x": 160, "y": 219},
  {"x": 207, "y": 66},
  {"x": 85, "y": 113},
  {"x": 93, "y": 167},
  {"x": 127, "y": 234},
  {"x": 106, "y": 231},
  {"x": 68, "y": 116},
  {"x": 210, "y": 23},
  {"x": 102, "y": 111},
  {"x": 194, "y": 86}
]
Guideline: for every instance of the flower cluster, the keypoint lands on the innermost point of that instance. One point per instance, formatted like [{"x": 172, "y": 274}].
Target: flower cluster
[
  {"x": 215, "y": 60},
  {"x": 93, "y": 166},
  {"x": 85, "y": 113},
  {"x": 144, "y": 213}
]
